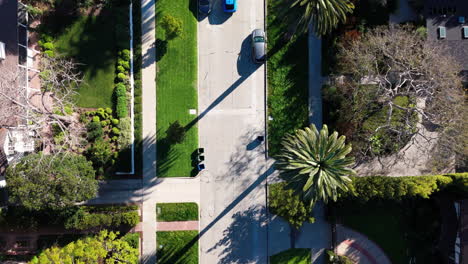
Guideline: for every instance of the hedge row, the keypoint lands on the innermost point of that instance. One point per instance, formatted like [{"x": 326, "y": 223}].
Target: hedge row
[
  {"x": 84, "y": 220},
  {"x": 137, "y": 63},
  {"x": 398, "y": 188}
]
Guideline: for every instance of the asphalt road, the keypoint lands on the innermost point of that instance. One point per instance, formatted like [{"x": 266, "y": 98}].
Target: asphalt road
[{"x": 231, "y": 115}]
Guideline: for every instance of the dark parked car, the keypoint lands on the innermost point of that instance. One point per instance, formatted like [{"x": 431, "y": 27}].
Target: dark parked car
[
  {"x": 204, "y": 6},
  {"x": 258, "y": 46}
]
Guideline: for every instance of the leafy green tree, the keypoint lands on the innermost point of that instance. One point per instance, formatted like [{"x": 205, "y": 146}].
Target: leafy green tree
[
  {"x": 51, "y": 181},
  {"x": 172, "y": 26},
  {"x": 102, "y": 248},
  {"x": 284, "y": 203},
  {"x": 323, "y": 14},
  {"x": 315, "y": 164}
]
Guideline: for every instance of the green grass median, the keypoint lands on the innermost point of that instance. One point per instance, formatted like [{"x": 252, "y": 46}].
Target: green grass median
[{"x": 176, "y": 84}]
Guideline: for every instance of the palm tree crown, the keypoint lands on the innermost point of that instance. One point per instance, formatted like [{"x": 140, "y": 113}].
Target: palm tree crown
[
  {"x": 323, "y": 14},
  {"x": 314, "y": 164}
]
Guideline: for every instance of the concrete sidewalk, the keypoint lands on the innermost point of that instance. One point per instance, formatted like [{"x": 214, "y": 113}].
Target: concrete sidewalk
[
  {"x": 149, "y": 130},
  {"x": 358, "y": 247}
]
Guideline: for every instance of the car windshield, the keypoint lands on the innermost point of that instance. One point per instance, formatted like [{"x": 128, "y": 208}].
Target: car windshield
[
  {"x": 229, "y": 6},
  {"x": 259, "y": 39}
]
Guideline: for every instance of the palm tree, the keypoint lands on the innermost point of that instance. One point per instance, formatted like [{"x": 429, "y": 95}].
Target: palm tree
[
  {"x": 323, "y": 14},
  {"x": 314, "y": 164}
]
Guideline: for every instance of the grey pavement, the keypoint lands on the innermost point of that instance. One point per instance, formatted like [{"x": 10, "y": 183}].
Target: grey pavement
[
  {"x": 316, "y": 236},
  {"x": 231, "y": 106}
]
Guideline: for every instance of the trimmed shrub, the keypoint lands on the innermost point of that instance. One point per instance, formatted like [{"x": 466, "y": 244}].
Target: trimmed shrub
[
  {"x": 125, "y": 55},
  {"x": 121, "y": 108},
  {"x": 121, "y": 69},
  {"x": 364, "y": 189},
  {"x": 103, "y": 123},
  {"x": 122, "y": 76},
  {"x": 116, "y": 131},
  {"x": 172, "y": 26},
  {"x": 94, "y": 131},
  {"x": 289, "y": 206},
  {"x": 115, "y": 121},
  {"x": 108, "y": 110},
  {"x": 124, "y": 64},
  {"x": 96, "y": 119}
]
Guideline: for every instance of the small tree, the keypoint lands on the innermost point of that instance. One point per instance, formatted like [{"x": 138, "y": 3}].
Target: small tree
[
  {"x": 175, "y": 133},
  {"x": 102, "y": 248},
  {"x": 51, "y": 182},
  {"x": 172, "y": 26}
]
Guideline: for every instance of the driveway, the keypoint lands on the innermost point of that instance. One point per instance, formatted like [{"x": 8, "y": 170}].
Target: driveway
[{"x": 231, "y": 115}]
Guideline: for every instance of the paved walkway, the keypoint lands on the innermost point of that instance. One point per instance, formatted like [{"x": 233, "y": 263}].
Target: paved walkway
[
  {"x": 149, "y": 130},
  {"x": 358, "y": 247},
  {"x": 177, "y": 226}
]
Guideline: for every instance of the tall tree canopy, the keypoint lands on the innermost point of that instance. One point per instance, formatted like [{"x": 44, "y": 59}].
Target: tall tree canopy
[
  {"x": 315, "y": 164},
  {"x": 324, "y": 15},
  {"x": 51, "y": 181},
  {"x": 395, "y": 81},
  {"x": 102, "y": 248}
]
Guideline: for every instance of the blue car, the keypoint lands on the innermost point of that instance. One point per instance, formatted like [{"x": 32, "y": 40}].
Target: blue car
[{"x": 230, "y": 6}]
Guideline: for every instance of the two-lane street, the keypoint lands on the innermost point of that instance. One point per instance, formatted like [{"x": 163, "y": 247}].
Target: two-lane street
[{"x": 231, "y": 109}]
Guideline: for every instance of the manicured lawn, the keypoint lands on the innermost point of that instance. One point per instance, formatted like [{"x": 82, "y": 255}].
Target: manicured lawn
[
  {"x": 177, "y": 247},
  {"x": 176, "y": 84},
  {"x": 90, "y": 40},
  {"x": 400, "y": 229},
  {"x": 292, "y": 256},
  {"x": 177, "y": 212},
  {"x": 287, "y": 79}
]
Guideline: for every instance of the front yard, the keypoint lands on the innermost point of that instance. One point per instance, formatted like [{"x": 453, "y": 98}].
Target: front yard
[
  {"x": 176, "y": 85},
  {"x": 90, "y": 40},
  {"x": 177, "y": 247}
]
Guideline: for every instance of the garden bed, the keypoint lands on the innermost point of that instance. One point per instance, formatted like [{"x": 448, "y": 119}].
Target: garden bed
[
  {"x": 287, "y": 78},
  {"x": 292, "y": 256},
  {"x": 176, "y": 84},
  {"x": 168, "y": 212},
  {"x": 177, "y": 247}
]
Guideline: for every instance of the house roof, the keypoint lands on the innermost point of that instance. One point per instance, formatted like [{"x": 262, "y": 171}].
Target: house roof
[
  {"x": 446, "y": 13},
  {"x": 9, "y": 30}
]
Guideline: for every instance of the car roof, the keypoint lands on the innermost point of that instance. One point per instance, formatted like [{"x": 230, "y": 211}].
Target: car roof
[{"x": 230, "y": 2}]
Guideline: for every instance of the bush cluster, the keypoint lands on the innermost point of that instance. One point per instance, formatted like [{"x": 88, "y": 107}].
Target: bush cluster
[
  {"x": 364, "y": 189},
  {"x": 47, "y": 45},
  {"x": 102, "y": 130}
]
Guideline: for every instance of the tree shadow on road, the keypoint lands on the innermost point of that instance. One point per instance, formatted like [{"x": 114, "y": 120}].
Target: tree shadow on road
[{"x": 239, "y": 243}]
